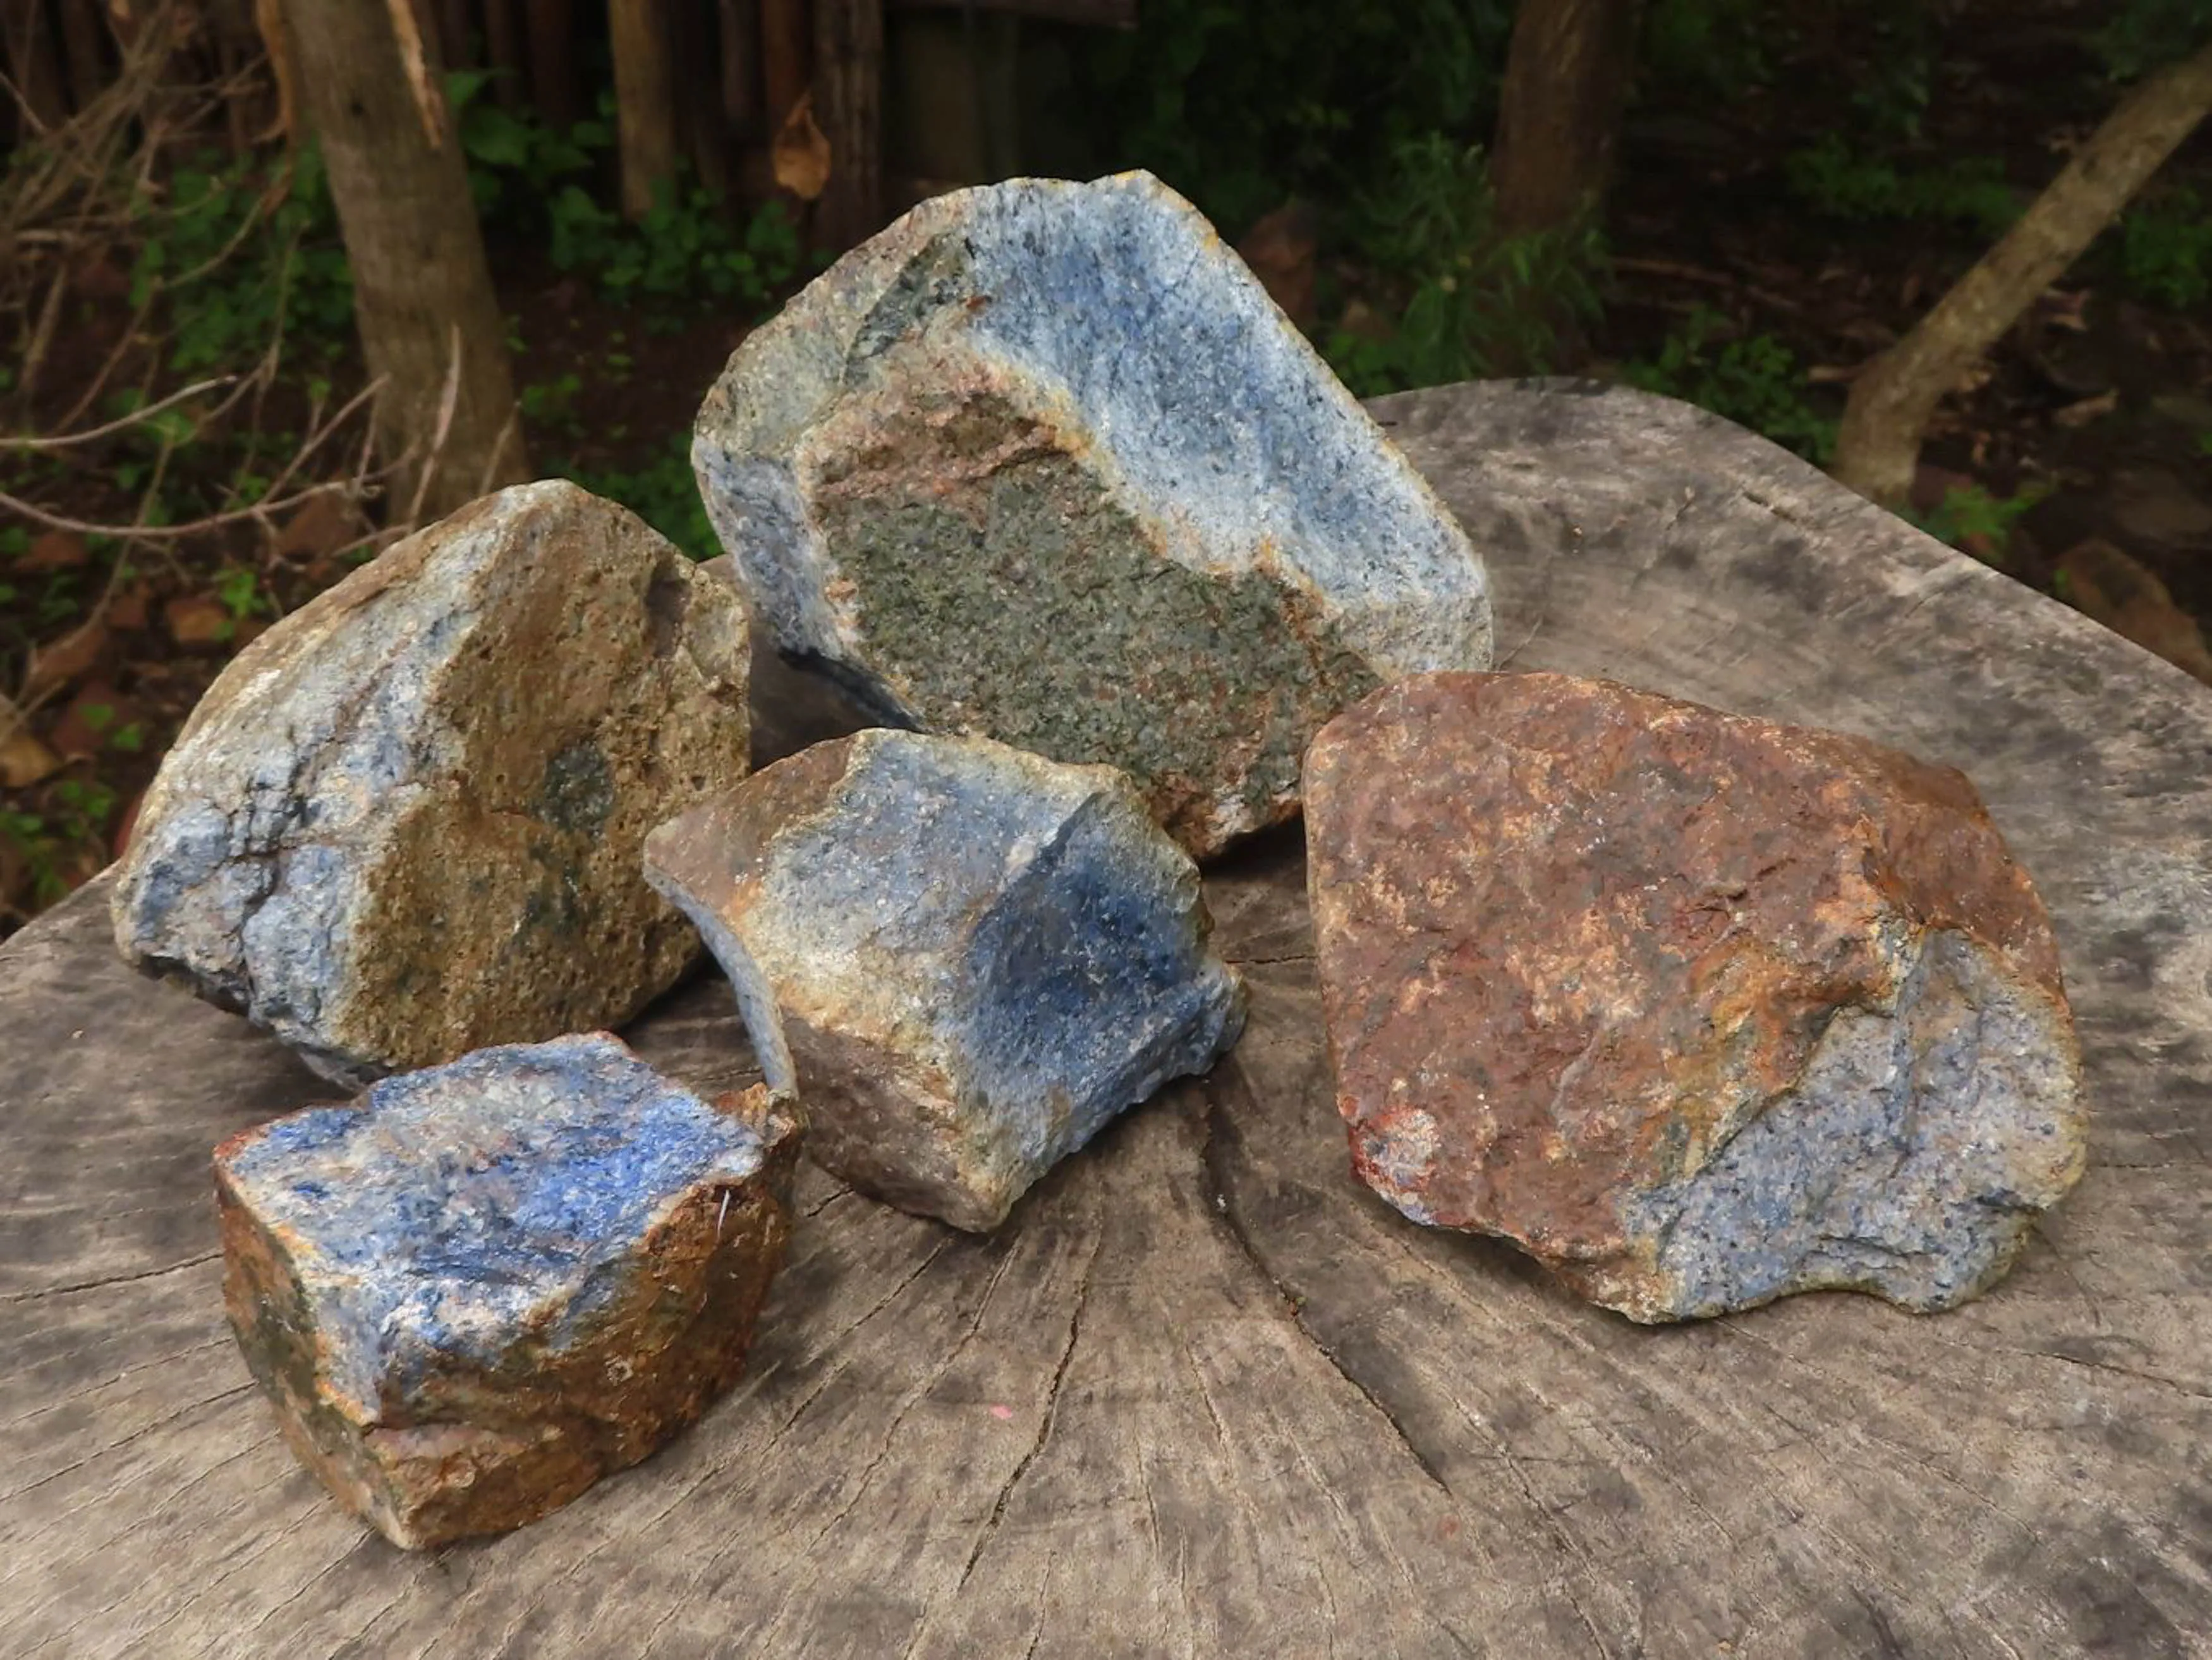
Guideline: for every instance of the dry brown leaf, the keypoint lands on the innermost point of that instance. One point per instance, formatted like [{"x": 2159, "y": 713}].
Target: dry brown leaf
[
  {"x": 2128, "y": 597},
  {"x": 58, "y": 550},
  {"x": 801, "y": 152},
  {"x": 94, "y": 715},
  {"x": 127, "y": 610},
  {"x": 61, "y": 662},
  {"x": 25, "y": 761},
  {"x": 195, "y": 619},
  {"x": 323, "y": 526},
  {"x": 126, "y": 822},
  {"x": 2088, "y": 409},
  {"x": 1280, "y": 249}
]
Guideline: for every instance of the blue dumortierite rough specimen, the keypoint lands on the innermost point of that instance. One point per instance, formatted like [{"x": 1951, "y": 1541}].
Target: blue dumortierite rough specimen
[
  {"x": 478, "y": 1288},
  {"x": 964, "y": 959},
  {"x": 404, "y": 823},
  {"x": 1042, "y": 463}
]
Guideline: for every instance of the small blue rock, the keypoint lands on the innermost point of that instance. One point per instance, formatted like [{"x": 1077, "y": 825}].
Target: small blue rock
[
  {"x": 479, "y": 1288},
  {"x": 964, "y": 959}
]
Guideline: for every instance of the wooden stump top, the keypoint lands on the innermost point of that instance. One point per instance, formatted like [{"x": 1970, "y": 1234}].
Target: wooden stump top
[{"x": 1203, "y": 1395}]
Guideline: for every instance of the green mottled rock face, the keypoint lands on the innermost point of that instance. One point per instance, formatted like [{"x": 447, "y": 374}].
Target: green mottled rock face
[
  {"x": 970, "y": 611},
  {"x": 405, "y": 822},
  {"x": 1043, "y": 464}
]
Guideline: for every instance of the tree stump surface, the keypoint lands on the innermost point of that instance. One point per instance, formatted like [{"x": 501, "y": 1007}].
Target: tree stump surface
[{"x": 1202, "y": 1394}]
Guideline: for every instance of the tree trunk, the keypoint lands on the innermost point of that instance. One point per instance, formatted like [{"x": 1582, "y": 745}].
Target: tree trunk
[
  {"x": 645, "y": 99},
  {"x": 740, "y": 64},
  {"x": 554, "y": 86},
  {"x": 848, "y": 102},
  {"x": 695, "y": 46},
  {"x": 1878, "y": 449},
  {"x": 430, "y": 326},
  {"x": 1558, "y": 111},
  {"x": 84, "y": 45},
  {"x": 503, "y": 50},
  {"x": 787, "y": 58},
  {"x": 33, "y": 66},
  {"x": 457, "y": 29}
]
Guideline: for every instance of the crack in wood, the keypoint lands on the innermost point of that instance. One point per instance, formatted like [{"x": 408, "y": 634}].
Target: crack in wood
[
  {"x": 75, "y": 1287},
  {"x": 1211, "y": 1164},
  {"x": 1044, "y": 1424}
]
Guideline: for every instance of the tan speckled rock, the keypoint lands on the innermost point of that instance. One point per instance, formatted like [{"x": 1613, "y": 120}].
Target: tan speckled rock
[
  {"x": 1699, "y": 1010},
  {"x": 404, "y": 823}
]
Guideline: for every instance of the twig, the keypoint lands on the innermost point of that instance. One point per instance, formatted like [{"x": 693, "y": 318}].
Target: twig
[
  {"x": 164, "y": 533},
  {"x": 448, "y": 400},
  {"x": 1716, "y": 279},
  {"x": 136, "y": 417}
]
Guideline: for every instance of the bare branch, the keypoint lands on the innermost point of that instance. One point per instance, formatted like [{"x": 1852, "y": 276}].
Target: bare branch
[{"x": 136, "y": 417}]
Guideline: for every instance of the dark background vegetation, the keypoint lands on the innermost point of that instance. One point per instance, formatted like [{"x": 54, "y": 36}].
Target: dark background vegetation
[{"x": 1794, "y": 186}]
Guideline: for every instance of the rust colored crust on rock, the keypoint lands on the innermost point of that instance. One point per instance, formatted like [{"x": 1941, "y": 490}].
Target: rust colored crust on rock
[
  {"x": 1649, "y": 969},
  {"x": 481, "y": 1451}
]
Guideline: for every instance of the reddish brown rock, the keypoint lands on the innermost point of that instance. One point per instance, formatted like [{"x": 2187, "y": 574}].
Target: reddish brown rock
[
  {"x": 1699, "y": 1010},
  {"x": 478, "y": 1288}
]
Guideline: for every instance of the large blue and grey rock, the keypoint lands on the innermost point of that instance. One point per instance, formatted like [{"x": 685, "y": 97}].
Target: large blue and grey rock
[
  {"x": 1700, "y": 1011},
  {"x": 962, "y": 958},
  {"x": 404, "y": 823},
  {"x": 1044, "y": 462},
  {"x": 478, "y": 1288}
]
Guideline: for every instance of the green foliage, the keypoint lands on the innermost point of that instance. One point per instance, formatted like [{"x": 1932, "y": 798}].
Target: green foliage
[
  {"x": 1971, "y": 518},
  {"x": 517, "y": 162},
  {"x": 1479, "y": 304},
  {"x": 537, "y": 182},
  {"x": 80, "y": 811},
  {"x": 551, "y": 405},
  {"x": 235, "y": 250},
  {"x": 2143, "y": 35},
  {"x": 239, "y": 591},
  {"x": 665, "y": 492},
  {"x": 1312, "y": 102},
  {"x": 2166, "y": 248},
  {"x": 1754, "y": 381},
  {"x": 685, "y": 248},
  {"x": 1834, "y": 178},
  {"x": 1719, "y": 46},
  {"x": 27, "y": 835}
]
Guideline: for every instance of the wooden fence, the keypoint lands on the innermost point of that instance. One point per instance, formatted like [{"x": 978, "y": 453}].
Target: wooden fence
[{"x": 755, "y": 96}]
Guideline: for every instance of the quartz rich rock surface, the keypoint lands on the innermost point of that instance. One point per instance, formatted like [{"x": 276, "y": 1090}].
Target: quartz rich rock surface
[
  {"x": 479, "y": 1288},
  {"x": 405, "y": 822},
  {"x": 1042, "y": 463},
  {"x": 1699, "y": 1010},
  {"x": 964, "y": 959}
]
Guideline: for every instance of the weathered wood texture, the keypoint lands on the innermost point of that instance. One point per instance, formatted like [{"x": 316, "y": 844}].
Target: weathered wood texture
[{"x": 1201, "y": 1396}]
